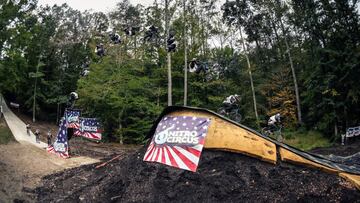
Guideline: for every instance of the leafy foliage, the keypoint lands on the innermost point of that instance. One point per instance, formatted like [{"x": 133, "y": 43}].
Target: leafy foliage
[{"x": 126, "y": 89}]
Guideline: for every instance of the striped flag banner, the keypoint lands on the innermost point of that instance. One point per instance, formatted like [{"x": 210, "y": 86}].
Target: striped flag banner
[
  {"x": 72, "y": 118},
  {"x": 178, "y": 141},
  {"x": 60, "y": 146},
  {"x": 89, "y": 128}
]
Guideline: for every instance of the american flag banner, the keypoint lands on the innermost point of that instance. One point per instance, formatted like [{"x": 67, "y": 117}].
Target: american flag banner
[
  {"x": 72, "y": 118},
  {"x": 60, "y": 146},
  {"x": 178, "y": 141},
  {"x": 89, "y": 128}
]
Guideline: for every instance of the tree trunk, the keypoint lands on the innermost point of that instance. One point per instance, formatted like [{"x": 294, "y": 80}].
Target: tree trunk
[
  {"x": 185, "y": 55},
  {"x": 250, "y": 74},
  {"x": 57, "y": 112},
  {"x": 34, "y": 102},
  {"x": 168, "y": 53},
  {"x": 169, "y": 80},
  {"x": 278, "y": 39},
  {"x": 158, "y": 96},
  {"x": 135, "y": 47},
  {"x": 120, "y": 126},
  {"x": 293, "y": 73},
  {"x": 336, "y": 129}
]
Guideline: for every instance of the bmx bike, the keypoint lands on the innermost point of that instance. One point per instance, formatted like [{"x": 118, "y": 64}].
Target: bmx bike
[
  {"x": 233, "y": 114},
  {"x": 271, "y": 131}
]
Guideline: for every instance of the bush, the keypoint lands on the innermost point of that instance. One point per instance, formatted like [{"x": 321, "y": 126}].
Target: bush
[{"x": 306, "y": 140}]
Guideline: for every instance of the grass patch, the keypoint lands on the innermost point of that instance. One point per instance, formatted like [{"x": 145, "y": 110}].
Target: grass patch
[
  {"x": 306, "y": 140},
  {"x": 5, "y": 133}
]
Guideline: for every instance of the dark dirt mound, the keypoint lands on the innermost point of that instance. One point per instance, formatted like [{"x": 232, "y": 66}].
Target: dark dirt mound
[
  {"x": 84, "y": 147},
  {"x": 221, "y": 177}
]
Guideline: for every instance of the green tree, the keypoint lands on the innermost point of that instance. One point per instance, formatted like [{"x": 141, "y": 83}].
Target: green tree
[{"x": 235, "y": 14}]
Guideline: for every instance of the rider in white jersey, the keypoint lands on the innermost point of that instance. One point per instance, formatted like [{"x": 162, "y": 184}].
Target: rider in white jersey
[{"x": 273, "y": 120}]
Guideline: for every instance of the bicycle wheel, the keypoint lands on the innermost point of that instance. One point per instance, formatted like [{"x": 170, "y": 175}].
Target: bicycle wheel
[
  {"x": 221, "y": 111},
  {"x": 279, "y": 136},
  {"x": 237, "y": 118},
  {"x": 208, "y": 77},
  {"x": 265, "y": 131}
]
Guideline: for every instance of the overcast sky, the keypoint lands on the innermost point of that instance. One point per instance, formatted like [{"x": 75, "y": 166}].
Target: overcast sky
[{"x": 96, "y": 5}]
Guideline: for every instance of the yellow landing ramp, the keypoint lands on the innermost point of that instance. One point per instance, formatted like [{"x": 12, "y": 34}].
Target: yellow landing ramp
[
  {"x": 224, "y": 134},
  {"x": 227, "y": 136},
  {"x": 354, "y": 179},
  {"x": 289, "y": 156}
]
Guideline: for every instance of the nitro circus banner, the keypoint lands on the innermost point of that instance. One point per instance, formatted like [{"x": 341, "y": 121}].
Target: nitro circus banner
[
  {"x": 178, "y": 142},
  {"x": 89, "y": 128},
  {"x": 72, "y": 118}
]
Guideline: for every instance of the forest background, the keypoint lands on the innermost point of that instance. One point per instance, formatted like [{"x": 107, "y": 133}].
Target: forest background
[{"x": 299, "y": 58}]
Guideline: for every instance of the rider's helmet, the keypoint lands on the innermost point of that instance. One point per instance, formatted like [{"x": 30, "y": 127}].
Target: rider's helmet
[
  {"x": 193, "y": 65},
  {"x": 99, "y": 50},
  {"x": 151, "y": 32},
  {"x": 127, "y": 31},
  {"x": 74, "y": 96},
  {"x": 277, "y": 117},
  {"x": 237, "y": 97},
  {"x": 234, "y": 98},
  {"x": 115, "y": 38},
  {"x": 216, "y": 68}
]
